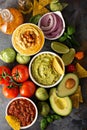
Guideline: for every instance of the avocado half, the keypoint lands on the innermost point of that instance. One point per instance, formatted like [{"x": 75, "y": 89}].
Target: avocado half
[
  {"x": 68, "y": 85},
  {"x": 61, "y": 106}
]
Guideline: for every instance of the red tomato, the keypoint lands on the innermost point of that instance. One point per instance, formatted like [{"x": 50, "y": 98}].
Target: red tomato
[
  {"x": 27, "y": 89},
  {"x": 20, "y": 73},
  {"x": 5, "y": 72},
  {"x": 10, "y": 90}
]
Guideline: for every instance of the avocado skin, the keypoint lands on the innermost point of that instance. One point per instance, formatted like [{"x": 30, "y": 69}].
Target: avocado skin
[
  {"x": 54, "y": 101},
  {"x": 62, "y": 91}
]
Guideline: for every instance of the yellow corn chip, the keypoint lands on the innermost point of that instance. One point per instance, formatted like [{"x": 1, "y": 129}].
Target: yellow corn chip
[
  {"x": 39, "y": 9},
  {"x": 80, "y": 71},
  {"x": 75, "y": 100},
  {"x": 13, "y": 122},
  {"x": 77, "y": 97},
  {"x": 44, "y": 2},
  {"x": 57, "y": 66}
]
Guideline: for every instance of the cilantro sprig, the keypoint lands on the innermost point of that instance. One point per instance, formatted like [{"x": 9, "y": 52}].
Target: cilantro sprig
[{"x": 69, "y": 37}]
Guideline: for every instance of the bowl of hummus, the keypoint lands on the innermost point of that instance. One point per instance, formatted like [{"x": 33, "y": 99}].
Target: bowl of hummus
[
  {"x": 46, "y": 69},
  {"x": 28, "y": 39}
]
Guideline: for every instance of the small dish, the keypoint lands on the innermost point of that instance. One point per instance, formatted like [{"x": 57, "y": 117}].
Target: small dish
[
  {"x": 52, "y": 24},
  {"x": 42, "y": 71},
  {"x": 20, "y": 107},
  {"x": 28, "y": 39}
]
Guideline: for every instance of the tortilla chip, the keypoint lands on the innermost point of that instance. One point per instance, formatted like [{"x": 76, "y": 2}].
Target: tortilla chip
[
  {"x": 77, "y": 97},
  {"x": 57, "y": 66},
  {"x": 80, "y": 71},
  {"x": 75, "y": 100},
  {"x": 39, "y": 9},
  {"x": 44, "y": 2},
  {"x": 13, "y": 122}
]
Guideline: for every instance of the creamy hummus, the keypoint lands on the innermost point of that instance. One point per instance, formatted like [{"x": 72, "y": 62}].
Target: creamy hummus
[
  {"x": 28, "y": 39},
  {"x": 43, "y": 70}
]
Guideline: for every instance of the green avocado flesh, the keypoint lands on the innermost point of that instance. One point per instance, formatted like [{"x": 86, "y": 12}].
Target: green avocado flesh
[
  {"x": 61, "y": 106},
  {"x": 68, "y": 85}
]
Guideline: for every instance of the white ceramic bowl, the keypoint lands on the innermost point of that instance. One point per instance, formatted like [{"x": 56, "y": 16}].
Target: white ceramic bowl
[
  {"x": 59, "y": 14},
  {"x": 36, "y": 111},
  {"x": 28, "y": 39},
  {"x": 35, "y": 80}
]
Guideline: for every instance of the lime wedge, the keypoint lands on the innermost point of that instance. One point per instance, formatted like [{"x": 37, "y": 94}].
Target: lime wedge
[
  {"x": 13, "y": 122},
  {"x": 59, "y": 47},
  {"x": 68, "y": 57}
]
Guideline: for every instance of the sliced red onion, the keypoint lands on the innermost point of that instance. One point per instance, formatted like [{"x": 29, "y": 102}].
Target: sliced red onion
[
  {"x": 58, "y": 25},
  {"x": 53, "y": 26},
  {"x": 57, "y": 31},
  {"x": 48, "y": 22}
]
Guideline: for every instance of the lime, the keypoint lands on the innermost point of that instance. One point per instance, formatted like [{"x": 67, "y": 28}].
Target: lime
[
  {"x": 68, "y": 57},
  {"x": 59, "y": 47}
]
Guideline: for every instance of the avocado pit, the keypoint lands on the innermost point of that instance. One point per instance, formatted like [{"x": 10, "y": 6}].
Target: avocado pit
[{"x": 70, "y": 83}]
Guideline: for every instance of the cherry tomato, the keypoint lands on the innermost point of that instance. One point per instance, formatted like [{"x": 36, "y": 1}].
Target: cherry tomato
[
  {"x": 5, "y": 72},
  {"x": 27, "y": 89},
  {"x": 10, "y": 90},
  {"x": 20, "y": 73}
]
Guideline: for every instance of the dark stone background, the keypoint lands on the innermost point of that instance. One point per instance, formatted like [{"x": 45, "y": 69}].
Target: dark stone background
[{"x": 75, "y": 14}]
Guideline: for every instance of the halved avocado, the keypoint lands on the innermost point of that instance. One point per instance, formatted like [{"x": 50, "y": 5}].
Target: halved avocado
[
  {"x": 61, "y": 106},
  {"x": 68, "y": 85}
]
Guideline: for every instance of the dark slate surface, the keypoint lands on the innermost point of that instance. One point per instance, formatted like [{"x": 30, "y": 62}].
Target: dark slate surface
[{"x": 75, "y": 14}]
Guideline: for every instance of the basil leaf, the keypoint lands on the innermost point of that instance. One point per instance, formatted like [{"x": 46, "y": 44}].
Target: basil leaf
[
  {"x": 35, "y": 19},
  {"x": 63, "y": 38},
  {"x": 70, "y": 30}
]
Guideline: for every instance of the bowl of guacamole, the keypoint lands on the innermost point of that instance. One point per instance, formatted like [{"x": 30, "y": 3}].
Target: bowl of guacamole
[{"x": 46, "y": 69}]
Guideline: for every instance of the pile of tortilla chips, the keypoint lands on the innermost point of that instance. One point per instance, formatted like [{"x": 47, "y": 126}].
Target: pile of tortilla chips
[
  {"x": 77, "y": 98},
  {"x": 39, "y": 7}
]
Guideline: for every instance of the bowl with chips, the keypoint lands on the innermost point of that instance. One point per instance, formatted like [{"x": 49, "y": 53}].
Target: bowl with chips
[
  {"x": 46, "y": 69},
  {"x": 28, "y": 39},
  {"x": 21, "y": 113}
]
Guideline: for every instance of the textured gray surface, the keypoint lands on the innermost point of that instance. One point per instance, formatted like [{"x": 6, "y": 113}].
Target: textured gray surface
[{"x": 75, "y": 14}]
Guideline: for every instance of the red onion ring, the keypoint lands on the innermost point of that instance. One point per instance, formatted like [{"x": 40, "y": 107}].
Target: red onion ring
[
  {"x": 54, "y": 25},
  {"x": 48, "y": 22}
]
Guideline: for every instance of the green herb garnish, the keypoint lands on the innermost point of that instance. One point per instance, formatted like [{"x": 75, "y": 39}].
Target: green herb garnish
[{"x": 69, "y": 37}]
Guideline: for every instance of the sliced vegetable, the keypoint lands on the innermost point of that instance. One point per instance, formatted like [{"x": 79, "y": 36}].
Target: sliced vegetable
[
  {"x": 51, "y": 24},
  {"x": 59, "y": 47},
  {"x": 68, "y": 57}
]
